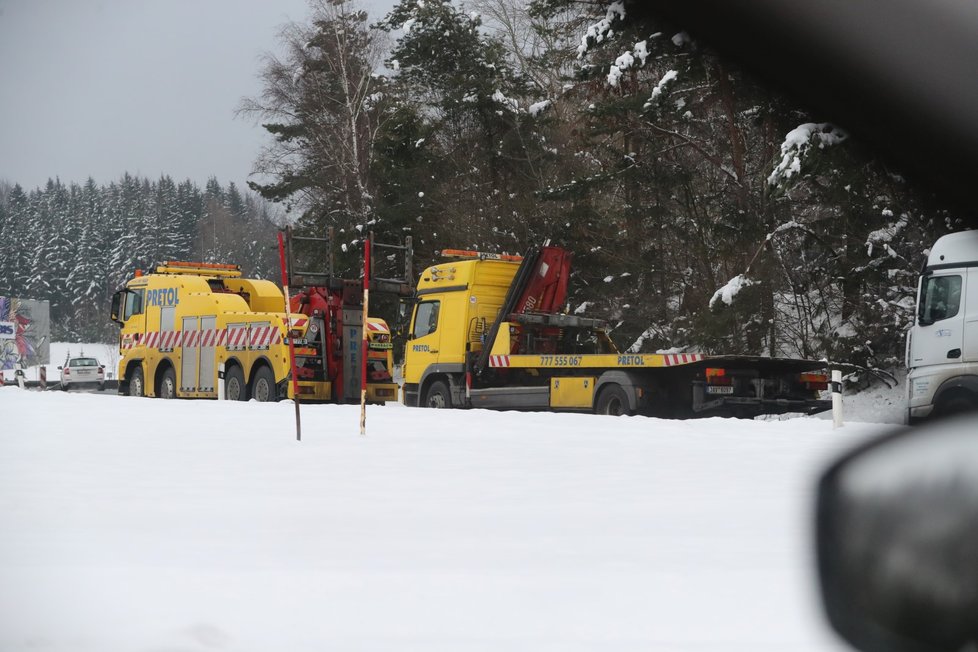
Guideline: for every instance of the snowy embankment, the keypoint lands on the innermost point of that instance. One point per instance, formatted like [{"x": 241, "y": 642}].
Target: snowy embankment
[{"x": 141, "y": 524}]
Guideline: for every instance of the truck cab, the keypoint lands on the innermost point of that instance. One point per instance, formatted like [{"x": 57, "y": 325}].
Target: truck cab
[
  {"x": 942, "y": 346},
  {"x": 455, "y": 303}
]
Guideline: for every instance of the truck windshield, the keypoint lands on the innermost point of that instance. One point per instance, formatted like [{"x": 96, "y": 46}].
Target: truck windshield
[
  {"x": 134, "y": 303},
  {"x": 940, "y": 299}
]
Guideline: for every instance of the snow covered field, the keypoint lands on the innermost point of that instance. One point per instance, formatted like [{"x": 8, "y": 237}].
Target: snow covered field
[{"x": 144, "y": 525}]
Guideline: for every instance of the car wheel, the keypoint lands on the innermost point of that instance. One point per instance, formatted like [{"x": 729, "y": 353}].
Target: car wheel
[
  {"x": 263, "y": 385},
  {"x": 168, "y": 384},
  {"x": 612, "y": 401},
  {"x": 234, "y": 385},
  {"x": 438, "y": 396},
  {"x": 137, "y": 384},
  {"x": 64, "y": 387}
]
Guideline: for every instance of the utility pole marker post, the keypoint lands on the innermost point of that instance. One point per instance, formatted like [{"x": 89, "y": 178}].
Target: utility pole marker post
[
  {"x": 364, "y": 345},
  {"x": 288, "y": 332},
  {"x": 836, "y": 386}
]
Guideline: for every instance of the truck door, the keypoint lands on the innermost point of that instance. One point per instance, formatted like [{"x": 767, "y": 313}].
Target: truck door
[
  {"x": 970, "y": 311},
  {"x": 939, "y": 336},
  {"x": 425, "y": 342}
]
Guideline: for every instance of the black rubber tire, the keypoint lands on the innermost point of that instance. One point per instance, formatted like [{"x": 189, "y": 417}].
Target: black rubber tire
[
  {"x": 263, "y": 385},
  {"x": 235, "y": 388},
  {"x": 612, "y": 401},
  {"x": 137, "y": 383},
  {"x": 438, "y": 396},
  {"x": 168, "y": 384},
  {"x": 955, "y": 405}
]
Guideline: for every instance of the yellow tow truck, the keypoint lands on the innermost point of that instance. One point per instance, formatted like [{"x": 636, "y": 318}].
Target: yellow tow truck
[{"x": 485, "y": 332}]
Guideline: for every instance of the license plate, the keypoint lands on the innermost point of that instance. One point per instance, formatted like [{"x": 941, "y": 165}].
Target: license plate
[{"x": 719, "y": 389}]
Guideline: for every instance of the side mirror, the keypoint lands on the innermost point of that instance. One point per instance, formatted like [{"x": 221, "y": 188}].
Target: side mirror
[
  {"x": 897, "y": 540},
  {"x": 117, "y": 302},
  {"x": 60, "y": 367}
]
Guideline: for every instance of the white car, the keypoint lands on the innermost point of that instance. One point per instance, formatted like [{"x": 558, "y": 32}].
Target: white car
[{"x": 82, "y": 371}]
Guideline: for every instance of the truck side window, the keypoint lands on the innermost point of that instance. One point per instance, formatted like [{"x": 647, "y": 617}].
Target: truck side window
[
  {"x": 426, "y": 318},
  {"x": 940, "y": 299},
  {"x": 134, "y": 303}
]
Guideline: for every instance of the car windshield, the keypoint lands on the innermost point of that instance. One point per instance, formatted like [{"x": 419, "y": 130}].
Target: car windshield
[{"x": 83, "y": 362}]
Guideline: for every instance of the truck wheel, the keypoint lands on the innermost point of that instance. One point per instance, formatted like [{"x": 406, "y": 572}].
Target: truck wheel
[
  {"x": 263, "y": 385},
  {"x": 438, "y": 396},
  {"x": 168, "y": 384},
  {"x": 234, "y": 385},
  {"x": 957, "y": 404},
  {"x": 612, "y": 401},
  {"x": 137, "y": 386}
]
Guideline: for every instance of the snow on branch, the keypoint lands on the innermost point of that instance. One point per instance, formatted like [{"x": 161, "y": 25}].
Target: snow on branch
[
  {"x": 640, "y": 52},
  {"x": 730, "y": 290},
  {"x": 885, "y": 235},
  {"x": 537, "y": 108},
  {"x": 601, "y": 29},
  {"x": 797, "y": 144},
  {"x": 657, "y": 91}
]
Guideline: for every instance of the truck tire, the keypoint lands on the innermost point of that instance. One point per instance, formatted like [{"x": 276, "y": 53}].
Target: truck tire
[
  {"x": 612, "y": 401},
  {"x": 955, "y": 404},
  {"x": 263, "y": 385},
  {"x": 168, "y": 384},
  {"x": 137, "y": 383},
  {"x": 234, "y": 384},
  {"x": 438, "y": 396}
]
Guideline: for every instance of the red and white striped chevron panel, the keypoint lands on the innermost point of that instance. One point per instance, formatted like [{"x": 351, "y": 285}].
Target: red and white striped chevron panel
[
  {"x": 262, "y": 336},
  {"x": 212, "y": 337},
  {"x": 499, "y": 361},
  {"x": 673, "y": 359},
  {"x": 375, "y": 326},
  {"x": 237, "y": 337},
  {"x": 169, "y": 339},
  {"x": 190, "y": 338}
]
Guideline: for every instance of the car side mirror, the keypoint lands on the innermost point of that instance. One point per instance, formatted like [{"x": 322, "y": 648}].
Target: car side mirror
[
  {"x": 897, "y": 540},
  {"x": 60, "y": 367}
]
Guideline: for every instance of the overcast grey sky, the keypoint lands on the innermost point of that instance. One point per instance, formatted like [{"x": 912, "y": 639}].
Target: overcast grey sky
[{"x": 100, "y": 87}]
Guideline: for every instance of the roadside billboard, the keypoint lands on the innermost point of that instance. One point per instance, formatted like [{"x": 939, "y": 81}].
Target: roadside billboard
[{"x": 25, "y": 332}]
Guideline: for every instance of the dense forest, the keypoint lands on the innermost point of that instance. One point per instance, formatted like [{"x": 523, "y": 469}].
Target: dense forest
[
  {"x": 706, "y": 211},
  {"x": 75, "y": 245}
]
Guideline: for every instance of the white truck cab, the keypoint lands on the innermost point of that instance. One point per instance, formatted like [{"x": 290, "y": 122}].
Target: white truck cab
[{"x": 942, "y": 346}]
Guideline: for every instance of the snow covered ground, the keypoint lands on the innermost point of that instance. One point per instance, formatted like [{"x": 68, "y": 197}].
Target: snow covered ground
[{"x": 143, "y": 525}]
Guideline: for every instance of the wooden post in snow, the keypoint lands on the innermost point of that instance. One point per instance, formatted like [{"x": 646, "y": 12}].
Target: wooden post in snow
[
  {"x": 365, "y": 344},
  {"x": 288, "y": 333}
]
